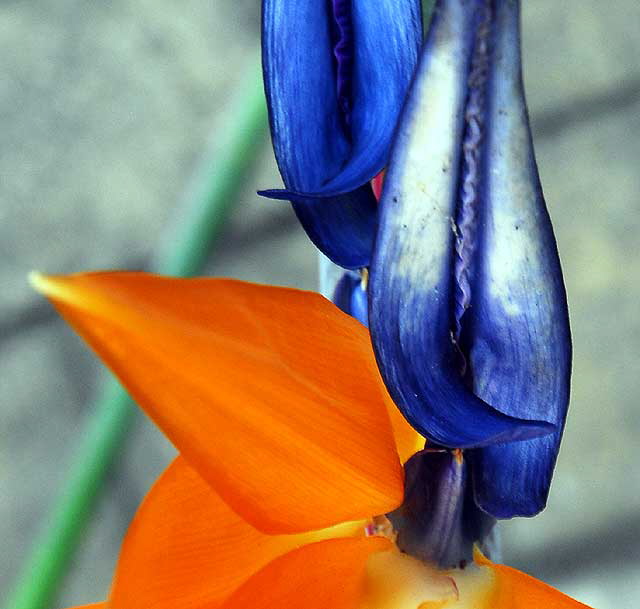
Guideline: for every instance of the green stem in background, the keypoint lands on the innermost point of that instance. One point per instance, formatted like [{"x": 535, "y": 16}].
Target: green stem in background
[
  {"x": 427, "y": 9},
  {"x": 215, "y": 188}
]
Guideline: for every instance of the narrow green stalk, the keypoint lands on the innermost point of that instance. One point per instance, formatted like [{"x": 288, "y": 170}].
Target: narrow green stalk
[
  {"x": 217, "y": 184},
  {"x": 214, "y": 189},
  {"x": 427, "y": 9}
]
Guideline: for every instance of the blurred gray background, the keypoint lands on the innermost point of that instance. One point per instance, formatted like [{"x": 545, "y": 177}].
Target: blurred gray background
[{"x": 105, "y": 109}]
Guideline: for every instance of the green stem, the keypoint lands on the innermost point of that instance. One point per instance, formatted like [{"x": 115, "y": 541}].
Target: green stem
[
  {"x": 208, "y": 202},
  {"x": 427, "y": 9},
  {"x": 217, "y": 185}
]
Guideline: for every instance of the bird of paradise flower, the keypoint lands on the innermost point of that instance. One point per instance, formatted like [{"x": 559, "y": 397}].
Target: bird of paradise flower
[
  {"x": 291, "y": 453},
  {"x": 291, "y": 417},
  {"x": 462, "y": 289}
]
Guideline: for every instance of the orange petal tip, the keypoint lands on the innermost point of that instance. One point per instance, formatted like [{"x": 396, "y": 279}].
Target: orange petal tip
[
  {"x": 39, "y": 281},
  {"x": 285, "y": 383},
  {"x": 55, "y": 287}
]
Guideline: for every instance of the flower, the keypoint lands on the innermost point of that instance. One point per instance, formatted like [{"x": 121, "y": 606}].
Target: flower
[
  {"x": 336, "y": 74},
  {"x": 466, "y": 302},
  {"x": 289, "y": 446}
]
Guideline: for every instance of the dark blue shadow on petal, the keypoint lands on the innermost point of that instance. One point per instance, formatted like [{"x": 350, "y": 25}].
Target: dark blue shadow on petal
[
  {"x": 410, "y": 289},
  {"x": 322, "y": 152},
  {"x": 521, "y": 349}
]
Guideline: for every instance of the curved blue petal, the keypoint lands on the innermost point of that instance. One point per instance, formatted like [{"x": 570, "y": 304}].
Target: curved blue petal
[
  {"x": 521, "y": 348},
  {"x": 342, "y": 227},
  {"x": 410, "y": 288},
  {"x": 321, "y": 151},
  {"x": 350, "y": 296},
  {"x": 343, "y": 290}
]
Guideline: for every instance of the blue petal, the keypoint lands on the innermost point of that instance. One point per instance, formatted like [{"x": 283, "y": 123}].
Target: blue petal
[
  {"x": 342, "y": 227},
  {"x": 438, "y": 521},
  {"x": 410, "y": 299},
  {"x": 429, "y": 522},
  {"x": 309, "y": 140},
  {"x": 350, "y": 297},
  {"x": 316, "y": 154},
  {"x": 521, "y": 351},
  {"x": 388, "y": 34},
  {"x": 320, "y": 156},
  {"x": 343, "y": 290}
]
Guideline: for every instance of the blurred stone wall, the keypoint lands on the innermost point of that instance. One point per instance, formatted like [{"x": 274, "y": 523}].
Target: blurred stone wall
[{"x": 105, "y": 109}]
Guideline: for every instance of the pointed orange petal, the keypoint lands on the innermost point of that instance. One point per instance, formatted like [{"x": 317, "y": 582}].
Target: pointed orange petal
[
  {"x": 186, "y": 548},
  {"x": 513, "y": 589},
  {"x": 324, "y": 575},
  {"x": 270, "y": 393}
]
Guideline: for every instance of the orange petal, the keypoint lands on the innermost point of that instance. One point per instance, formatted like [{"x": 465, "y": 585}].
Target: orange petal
[
  {"x": 408, "y": 440},
  {"x": 186, "y": 548},
  {"x": 513, "y": 589},
  {"x": 272, "y": 394},
  {"x": 324, "y": 575}
]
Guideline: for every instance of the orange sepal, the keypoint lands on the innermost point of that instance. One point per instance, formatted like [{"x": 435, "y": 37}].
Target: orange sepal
[
  {"x": 186, "y": 548},
  {"x": 513, "y": 589},
  {"x": 271, "y": 394},
  {"x": 327, "y": 574}
]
